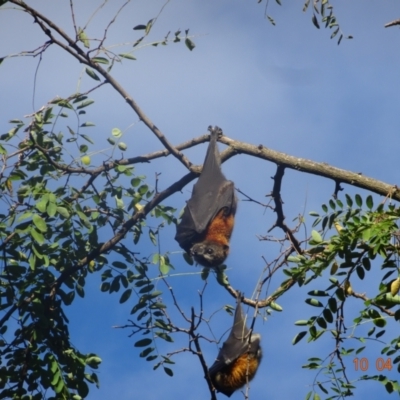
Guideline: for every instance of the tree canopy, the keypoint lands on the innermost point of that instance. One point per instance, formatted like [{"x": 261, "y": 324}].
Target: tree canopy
[{"x": 108, "y": 108}]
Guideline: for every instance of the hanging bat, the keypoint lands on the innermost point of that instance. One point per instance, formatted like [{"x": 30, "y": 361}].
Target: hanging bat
[
  {"x": 207, "y": 221},
  {"x": 239, "y": 357}
]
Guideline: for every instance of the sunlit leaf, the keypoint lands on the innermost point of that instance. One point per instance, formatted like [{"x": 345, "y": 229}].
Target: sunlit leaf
[
  {"x": 83, "y": 38},
  {"x": 100, "y": 60},
  {"x": 127, "y": 56},
  {"x": 314, "y": 302}
]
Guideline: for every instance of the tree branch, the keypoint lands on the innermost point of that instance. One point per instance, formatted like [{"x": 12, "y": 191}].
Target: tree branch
[
  {"x": 73, "y": 49},
  {"x": 393, "y": 23},
  {"x": 310, "y": 167}
]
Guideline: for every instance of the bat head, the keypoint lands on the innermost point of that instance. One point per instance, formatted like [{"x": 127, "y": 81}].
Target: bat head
[{"x": 209, "y": 254}]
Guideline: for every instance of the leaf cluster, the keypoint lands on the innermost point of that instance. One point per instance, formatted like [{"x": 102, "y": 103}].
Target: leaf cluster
[{"x": 352, "y": 243}]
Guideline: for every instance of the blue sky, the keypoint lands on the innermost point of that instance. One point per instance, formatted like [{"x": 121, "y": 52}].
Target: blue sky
[{"x": 288, "y": 87}]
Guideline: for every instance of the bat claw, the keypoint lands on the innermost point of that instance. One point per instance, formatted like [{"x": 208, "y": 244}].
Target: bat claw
[{"x": 216, "y": 130}]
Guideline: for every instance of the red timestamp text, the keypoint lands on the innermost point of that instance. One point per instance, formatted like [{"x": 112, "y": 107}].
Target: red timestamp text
[{"x": 380, "y": 364}]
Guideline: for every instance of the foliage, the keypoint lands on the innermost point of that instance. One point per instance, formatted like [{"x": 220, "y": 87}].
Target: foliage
[
  {"x": 365, "y": 239},
  {"x": 50, "y": 229},
  {"x": 322, "y": 14},
  {"x": 72, "y": 209}
]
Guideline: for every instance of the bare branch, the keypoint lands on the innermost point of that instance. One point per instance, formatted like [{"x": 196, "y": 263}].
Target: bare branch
[
  {"x": 73, "y": 49},
  {"x": 393, "y": 23},
  {"x": 199, "y": 354},
  {"x": 280, "y": 220},
  {"x": 310, "y": 167}
]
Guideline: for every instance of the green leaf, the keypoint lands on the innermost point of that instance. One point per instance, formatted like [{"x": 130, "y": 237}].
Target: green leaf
[
  {"x": 37, "y": 236},
  {"x": 119, "y": 264},
  {"x": 63, "y": 212},
  {"x": 116, "y": 132},
  {"x": 60, "y": 386},
  {"x": 358, "y": 351},
  {"x": 100, "y": 60},
  {"x": 222, "y": 278},
  {"x": 316, "y": 396},
  {"x": 298, "y": 337},
  {"x": 149, "y": 26},
  {"x": 85, "y": 103},
  {"x": 370, "y": 202},
  {"x": 322, "y": 323},
  {"x": 93, "y": 361},
  {"x": 146, "y": 352},
  {"x": 315, "y": 21},
  {"x": 143, "y": 342},
  {"x": 314, "y": 302},
  {"x": 42, "y": 204},
  {"x": 360, "y": 272},
  {"x": 389, "y": 386},
  {"x": 328, "y": 315},
  {"x": 270, "y": 19},
  {"x": 322, "y": 388},
  {"x": 105, "y": 286},
  {"x": 275, "y": 306},
  {"x": 335, "y": 32},
  {"x": 379, "y": 322},
  {"x": 189, "y": 44},
  {"x": 119, "y": 203},
  {"x": 51, "y": 209},
  {"x": 127, "y": 56},
  {"x": 164, "y": 336},
  {"x": 340, "y": 294},
  {"x": 349, "y": 201},
  {"x": 316, "y": 236},
  {"x": 301, "y": 322},
  {"x": 164, "y": 266},
  {"x": 168, "y": 371},
  {"x": 358, "y": 200},
  {"x": 122, "y": 146},
  {"x": 87, "y": 138},
  {"x": 125, "y": 296},
  {"x": 294, "y": 259},
  {"x": 83, "y": 38},
  {"x": 319, "y": 293},
  {"x": 366, "y": 263},
  {"x": 146, "y": 289},
  {"x": 204, "y": 272},
  {"x": 92, "y": 74}
]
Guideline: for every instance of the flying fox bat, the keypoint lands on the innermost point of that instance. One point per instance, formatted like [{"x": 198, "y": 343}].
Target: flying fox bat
[
  {"x": 207, "y": 221},
  {"x": 239, "y": 357}
]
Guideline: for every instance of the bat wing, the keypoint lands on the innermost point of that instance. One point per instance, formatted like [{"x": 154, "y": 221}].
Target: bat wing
[
  {"x": 237, "y": 342},
  {"x": 211, "y": 193}
]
